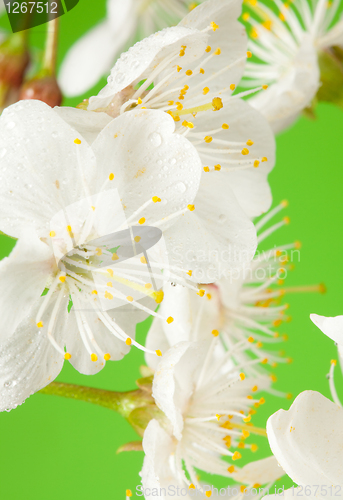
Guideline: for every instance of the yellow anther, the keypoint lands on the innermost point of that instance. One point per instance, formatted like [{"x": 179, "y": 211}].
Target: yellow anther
[
  {"x": 208, "y": 139},
  {"x": 249, "y": 143},
  {"x": 245, "y": 433},
  {"x": 128, "y": 341},
  {"x": 254, "y": 448},
  {"x": 191, "y": 208},
  {"x": 141, "y": 220},
  {"x": 208, "y": 493},
  {"x": 176, "y": 118},
  {"x": 67, "y": 356},
  {"x": 218, "y": 417},
  {"x": 108, "y": 295},
  {"x": 286, "y": 220},
  {"x": 129, "y": 298},
  {"x": 202, "y": 71},
  {"x": 52, "y": 234},
  {"x": 40, "y": 324},
  {"x": 215, "y": 333},
  {"x": 242, "y": 376},
  {"x": 94, "y": 292},
  {"x": 69, "y": 229},
  {"x": 247, "y": 419},
  {"x": 217, "y": 104},
  {"x": 205, "y": 90},
  {"x": 148, "y": 285},
  {"x": 109, "y": 283},
  {"x": 256, "y": 486},
  {"x": 110, "y": 272},
  {"x": 107, "y": 356},
  {"x": 179, "y": 106},
  {"x": 225, "y": 126},
  {"x": 262, "y": 401},
  {"x": 158, "y": 352},
  {"x": 178, "y": 68},
  {"x": 93, "y": 208},
  {"x": 77, "y": 141},
  {"x": 217, "y": 167},
  {"x": 214, "y": 26},
  {"x": 231, "y": 469},
  {"x": 139, "y": 100},
  {"x": 111, "y": 177},
  {"x": 185, "y": 123},
  {"x": 289, "y": 396},
  {"x": 94, "y": 357},
  {"x": 128, "y": 493},
  {"x": 182, "y": 53},
  {"x": 232, "y": 87},
  {"x": 206, "y": 169},
  {"x": 137, "y": 239},
  {"x": 282, "y": 17},
  {"x": 209, "y": 296},
  {"x": 264, "y": 361},
  {"x": 190, "y": 272},
  {"x": 169, "y": 320},
  {"x": 62, "y": 279},
  {"x": 264, "y": 87},
  {"x": 115, "y": 256},
  {"x": 189, "y": 72},
  {"x": 333, "y": 362},
  {"x": 156, "y": 199},
  {"x": 245, "y": 151},
  {"x": 273, "y": 377},
  {"x": 208, "y": 49},
  {"x": 158, "y": 296},
  {"x": 254, "y": 33},
  {"x": 246, "y": 16},
  {"x": 264, "y": 159},
  {"x": 249, "y": 54},
  {"x": 98, "y": 251},
  {"x": 256, "y": 163},
  {"x": 201, "y": 292},
  {"x": 236, "y": 456},
  {"x": 255, "y": 388},
  {"x": 259, "y": 344},
  {"x": 227, "y": 440},
  {"x": 170, "y": 103},
  {"x": 217, "y": 52},
  {"x": 249, "y": 397},
  {"x": 191, "y": 487}
]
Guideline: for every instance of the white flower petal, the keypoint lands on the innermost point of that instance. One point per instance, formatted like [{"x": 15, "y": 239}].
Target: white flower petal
[
  {"x": 88, "y": 124},
  {"x": 23, "y": 277},
  {"x": 230, "y": 38},
  {"x": 28, "y": 360},
  {"x": 217, "y": 238},
  {"x": 332, "y": 327},
  {"x": 307, "y": 440},
  {"x": 266, "y": 470},
  {"x": 284, "y": 100},
  {"x": 249, "y": 185},
  {"x": 164, "y": 386},
  {"x": 37, "y": 179},
  {"x": 148, "y": 159},
  {"x": 139, "y": 62},
  {"x": 157, "y": 446}
]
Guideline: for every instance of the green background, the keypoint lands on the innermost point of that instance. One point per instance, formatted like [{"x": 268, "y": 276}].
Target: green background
[{"x": 51, "y": 448}]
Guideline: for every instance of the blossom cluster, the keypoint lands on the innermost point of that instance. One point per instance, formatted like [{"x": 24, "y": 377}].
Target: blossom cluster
[{"x": 151, "y": 198}]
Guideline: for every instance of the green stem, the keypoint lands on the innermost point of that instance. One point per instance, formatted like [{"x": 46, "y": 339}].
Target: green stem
[
  {"x": 122, "y": 402},
  {"x": 49, "y": 64}
]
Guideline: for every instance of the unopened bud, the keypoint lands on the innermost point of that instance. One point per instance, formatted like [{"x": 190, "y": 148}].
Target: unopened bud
[
  {"x": 14, "y": 59},
  {"x": 44, "y": 89}
]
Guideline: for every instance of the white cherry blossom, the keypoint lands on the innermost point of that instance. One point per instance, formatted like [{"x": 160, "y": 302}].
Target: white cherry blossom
[
  {"x": 190, "y": 71},
  {"x": 286, "y": 47},
  {"x": 307, "y": 441},
  {"x": 61, "y": 198}
]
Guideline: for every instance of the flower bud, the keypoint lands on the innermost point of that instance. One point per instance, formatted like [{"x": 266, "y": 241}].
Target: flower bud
[
  {"x": 44, "y": 89},
  {"x": 14, "y": 59}
]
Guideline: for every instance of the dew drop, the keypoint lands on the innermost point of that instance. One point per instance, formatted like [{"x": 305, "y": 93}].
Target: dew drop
[
  {"x": 181, "y": 187},
  {"x": 172, "y": 161},
  {"x": 119, "y": 78},
  {"x": 155, "y": 139}
]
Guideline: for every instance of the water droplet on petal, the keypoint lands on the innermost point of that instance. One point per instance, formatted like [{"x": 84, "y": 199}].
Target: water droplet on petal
[
  {"x": 181, "y": 187},
  {"x": 155, "y": 139},
  {"x": 119, "y": 78}
]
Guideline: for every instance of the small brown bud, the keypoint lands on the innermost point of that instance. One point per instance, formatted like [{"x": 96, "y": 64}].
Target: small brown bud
[{"x": 44, "y": 89}]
